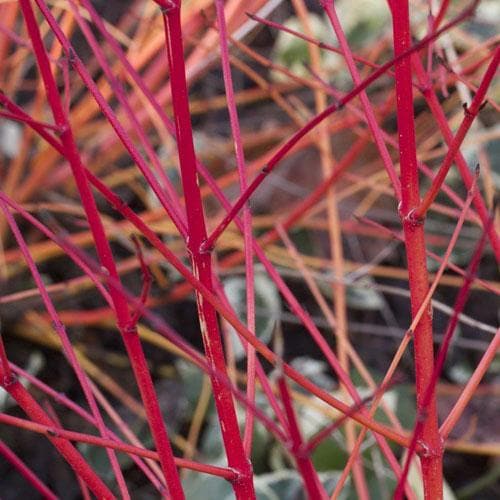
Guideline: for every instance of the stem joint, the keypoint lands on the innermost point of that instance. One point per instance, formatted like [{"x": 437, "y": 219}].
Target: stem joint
[
  {"x": 241, "y": 477},
  {"x": 57, "y": 326},
  {"x": 8, "y": 380},
  {"x": 167, "y": 6},
  {"x": 52, "y": 432},
  {"x": 467, "y": 111},
  {"x": 413, "y": 218},
  {"x": 71, "y": 57},
  {"x": 130, "y": 329},
  {"x": 206, "y": 247},
  {"x": 425, "y": 450},
  {"x": 266, "y": 170},
  {"x": 61, "y": 130}
]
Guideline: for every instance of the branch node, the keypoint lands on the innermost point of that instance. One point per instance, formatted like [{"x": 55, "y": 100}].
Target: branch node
[
  {"x": 477, "y": 170},
  {"x": 105, "y": 271},
  {"x": 205, "y": 248},
  {"x": 61, "y": 129},
  {"x": 423, "y": 448},
  {"x": 196, "y": 249},
  {"x": 427, "y": 451},
  {"x": 72, "y": 57},
  {"x": 425, "y": 88},
  {"x": 168, "y": 6},
  {"x": 8, "y": 380},
  {"x": 130, "y": 328},
  {"x": 57, "y": 326},
  {"x": 266, "y": 170},
  {"x": 239, "y": 476},
  {"x": 414, "y": 219}
]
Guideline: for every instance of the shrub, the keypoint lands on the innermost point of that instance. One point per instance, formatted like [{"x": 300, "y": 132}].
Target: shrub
[{"x": 309, "y": 179}]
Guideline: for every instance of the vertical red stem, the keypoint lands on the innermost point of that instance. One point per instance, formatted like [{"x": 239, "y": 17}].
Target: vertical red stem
[
  {"x": 201, "y": 261},
  {"x": 458, "y": 307},
  {"x": 247, "y": 220},
  {"x": 431, "y": 456}
]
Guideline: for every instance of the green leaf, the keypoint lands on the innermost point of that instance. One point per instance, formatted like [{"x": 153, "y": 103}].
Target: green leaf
[
  {"x": 192, "y": 381},
  {"x": 203, "y": 487},
  {"x": 405, "y": 406},
  {"x": 329, "y": 455},
  {"x": 293, "y": 52},
  {"x": 267, "y": 305},
  {"x": 287, "y": 484},
  {"x": 314, "y": 369},
  {"x": 360, "y": 296}
]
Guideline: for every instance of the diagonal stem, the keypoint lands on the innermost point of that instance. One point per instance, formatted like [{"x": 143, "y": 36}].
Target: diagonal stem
[
  {"x": 127, "y": 330},
  {"x": 470, "y": 113},
  {"x": 288, "y": 145}
]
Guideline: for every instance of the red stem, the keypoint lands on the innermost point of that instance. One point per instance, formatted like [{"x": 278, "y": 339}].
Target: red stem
[
  {"x": 470, "y": 113},
  {"x": 288, "y": 145},
  {"x": 201, "y": 261},
  {"x": 38, "y": 416},
  {"x": 127, "y": 330},
  {"x": 458, "y": 307},
  {"x": 431, "y": 459},
  {"x": 442, "y": 12},
  {"x": 309, "y": 475},
  {"x": 57, "y": 432},
  {"x": 375, "y": 128},
  {"x": 78, "y": 410},
  {"x": 66, "y": 344},
  {"x": 26, "y": 472},
  {"x": 247, "y": 219}
]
